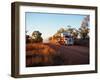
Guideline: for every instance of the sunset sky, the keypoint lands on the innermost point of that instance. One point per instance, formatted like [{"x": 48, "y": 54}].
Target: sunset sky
[{"x": 48, "y": 23}]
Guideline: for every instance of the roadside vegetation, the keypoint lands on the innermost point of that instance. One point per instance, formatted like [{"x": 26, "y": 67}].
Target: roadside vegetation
[{"x": 48, "y": 54}]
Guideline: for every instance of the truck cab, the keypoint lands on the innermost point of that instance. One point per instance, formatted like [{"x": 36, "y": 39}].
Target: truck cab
[{"x": 66, "y": 39}]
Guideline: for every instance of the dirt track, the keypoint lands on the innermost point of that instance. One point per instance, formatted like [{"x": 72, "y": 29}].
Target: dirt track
[
  {"x": 73, "y": 54},
  {"x": 48, "y": 54}
]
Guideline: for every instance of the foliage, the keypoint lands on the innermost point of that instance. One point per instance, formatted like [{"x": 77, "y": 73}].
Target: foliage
[
  {"x": 84, "y": 32},
  {"x": 36, "y": 36},
  {"x": 74, "y": 32},
  {"x": 50, "y": 38},
  {"x": 61, "y": 30}
]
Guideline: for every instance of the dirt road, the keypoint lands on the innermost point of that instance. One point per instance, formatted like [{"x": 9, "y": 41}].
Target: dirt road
[
  {"x": 73, "y": 54},
  {"x": 49, "y": 54}
]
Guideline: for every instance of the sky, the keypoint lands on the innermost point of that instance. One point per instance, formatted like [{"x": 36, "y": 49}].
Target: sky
[{"x": 49, "y": 23}]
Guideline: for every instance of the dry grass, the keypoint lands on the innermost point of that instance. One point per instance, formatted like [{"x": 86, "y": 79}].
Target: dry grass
[
  {"x": 39, "y": 54},
  {"x": 39, "y": 48}
]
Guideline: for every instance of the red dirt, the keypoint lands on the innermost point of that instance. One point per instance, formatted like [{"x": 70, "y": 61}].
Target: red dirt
[
  {"x": 73, "y": 54},
  {"x": 65, "y": 55}
]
